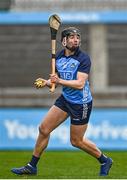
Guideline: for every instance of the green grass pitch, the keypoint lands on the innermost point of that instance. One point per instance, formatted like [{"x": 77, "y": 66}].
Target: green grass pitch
[{"x": 63, "y": 165}]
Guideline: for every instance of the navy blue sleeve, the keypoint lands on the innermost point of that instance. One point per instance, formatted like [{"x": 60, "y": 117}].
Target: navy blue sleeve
[{"x": 85, "y": 64}]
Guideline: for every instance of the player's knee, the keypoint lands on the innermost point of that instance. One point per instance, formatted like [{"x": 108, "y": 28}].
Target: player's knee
[
  {"x": 76, "y": 142},
  {"x": 43, "y": 131}
]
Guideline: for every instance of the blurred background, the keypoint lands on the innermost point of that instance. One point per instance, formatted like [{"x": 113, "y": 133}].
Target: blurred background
[{"x": 25, "y": 54}]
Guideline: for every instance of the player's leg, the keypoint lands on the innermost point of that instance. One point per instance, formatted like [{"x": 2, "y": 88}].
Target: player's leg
[
  {"x": 78, "y": 140},
  {"x": 80, "y": 115},
  {"x": 54, "y": 117}
]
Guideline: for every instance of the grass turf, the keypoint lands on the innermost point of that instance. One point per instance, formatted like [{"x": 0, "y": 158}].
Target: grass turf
[{"x": 62, "y": 165}]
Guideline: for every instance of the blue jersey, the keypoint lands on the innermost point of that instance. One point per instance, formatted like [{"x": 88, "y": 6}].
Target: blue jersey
[{"x": 67, "y": 68}]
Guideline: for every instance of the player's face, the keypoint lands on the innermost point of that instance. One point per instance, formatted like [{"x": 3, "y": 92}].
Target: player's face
[{"x": 73, "y": 41}]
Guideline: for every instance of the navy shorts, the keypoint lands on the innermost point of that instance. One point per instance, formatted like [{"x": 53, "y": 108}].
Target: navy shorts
[{"x": 79, "y": 113}]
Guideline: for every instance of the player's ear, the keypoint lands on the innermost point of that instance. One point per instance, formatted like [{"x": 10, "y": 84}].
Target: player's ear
[{"x": 64, "y": 41}]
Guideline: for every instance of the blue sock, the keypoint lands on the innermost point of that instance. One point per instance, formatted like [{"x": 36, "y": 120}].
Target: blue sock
[
  {"x": 34, "y": 161},
  {"x": 102, "y": 159}
]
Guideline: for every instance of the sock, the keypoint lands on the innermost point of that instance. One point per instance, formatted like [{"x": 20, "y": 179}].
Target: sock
[
  {"x": 34, "y": 161},
  {"x": 102, "y": 159}
]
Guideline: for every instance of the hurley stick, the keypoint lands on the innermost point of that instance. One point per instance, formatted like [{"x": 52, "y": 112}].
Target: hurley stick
[{"x": 54, "y": 23}]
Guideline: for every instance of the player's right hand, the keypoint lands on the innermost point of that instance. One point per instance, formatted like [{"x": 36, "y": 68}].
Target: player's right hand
[{"x": 40, "y": 83}]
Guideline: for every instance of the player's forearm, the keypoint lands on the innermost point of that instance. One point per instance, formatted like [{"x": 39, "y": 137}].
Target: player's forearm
[{"x": 77, "y": 84}]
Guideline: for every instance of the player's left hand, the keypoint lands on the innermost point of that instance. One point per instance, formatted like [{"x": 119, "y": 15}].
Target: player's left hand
[{"x": 40, "y": 83}]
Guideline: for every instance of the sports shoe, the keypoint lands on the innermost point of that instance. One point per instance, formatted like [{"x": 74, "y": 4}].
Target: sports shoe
[
  {"x": 105, "y": 167},
  {"x": 28, "y": 169}
]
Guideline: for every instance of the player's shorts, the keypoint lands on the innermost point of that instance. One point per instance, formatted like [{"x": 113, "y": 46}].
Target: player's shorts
[{"x": 79, "y": 113}]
